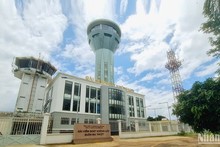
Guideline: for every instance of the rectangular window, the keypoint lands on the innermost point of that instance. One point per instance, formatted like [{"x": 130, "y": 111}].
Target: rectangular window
[
  {"x": 64, "y": 121},
  {"x": 137, "y": 101},
  {"x": 138, "y": 113},
  {"x": 76, "y": 105},
  {"x": 141, "y": 103},
  {"x": 92, "y": 107},
  {"x": 87, "y": 91},
  {"x": 87, "y": 106},
  {"x": 99, "y": 94},
  {"x": 142, "y": 113},
  {"x": 98, "y": 108},
  {"x": 77, "y": 89},
  {"x": 93, "y": 92},
  {"x": 73, "y": 121},
  {"x": 67, "y": 95},
  {"x": 105, "y": 71},
  {"x": 131, "y": 102},
  {"x": 91, "y": 121},
  {"x": 86, "y": 121}
]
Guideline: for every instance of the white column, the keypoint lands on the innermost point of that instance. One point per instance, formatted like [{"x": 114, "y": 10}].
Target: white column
[
  {"x": 44, "y": 126},
  {"x": 136, "y": 126},
  {"x": 119, "y": 128}
]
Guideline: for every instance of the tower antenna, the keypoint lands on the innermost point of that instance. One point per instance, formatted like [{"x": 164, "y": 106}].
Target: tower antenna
[{"x": 173, "y": 66}]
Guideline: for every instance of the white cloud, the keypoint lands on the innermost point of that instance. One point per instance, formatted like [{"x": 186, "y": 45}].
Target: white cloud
[
  {"x": 37, "y": 28},
  {"x": 123, "y": 6},
  {"x": 151, "y": 76},
  {"x": 153, "y": 57},
  {"x": 207, "y": 70},
  {"x": 118, "y": 70}
]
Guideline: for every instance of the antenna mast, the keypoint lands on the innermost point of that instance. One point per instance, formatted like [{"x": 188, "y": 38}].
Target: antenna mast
[{"x": 173, "y": 66}]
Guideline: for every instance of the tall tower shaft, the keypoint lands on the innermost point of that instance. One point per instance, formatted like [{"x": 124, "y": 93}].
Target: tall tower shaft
[
  {"x": 173, "y": 66},
  {"x": 104, "y": 37}
]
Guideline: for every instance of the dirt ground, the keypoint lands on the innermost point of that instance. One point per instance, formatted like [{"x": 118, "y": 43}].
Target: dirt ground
[{"x": 168, "y": 141}]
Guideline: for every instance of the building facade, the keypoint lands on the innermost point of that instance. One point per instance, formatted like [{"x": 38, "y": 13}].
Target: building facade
[
  {"x": 70, "y": 99},
  {"x": 104, "y": 37}
]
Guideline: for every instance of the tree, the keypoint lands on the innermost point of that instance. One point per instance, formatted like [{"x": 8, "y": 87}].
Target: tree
[
  {"x": 158, "y": 118},
  {"x": 211, "y": 11},
  {"x": 199, "y": 106}
]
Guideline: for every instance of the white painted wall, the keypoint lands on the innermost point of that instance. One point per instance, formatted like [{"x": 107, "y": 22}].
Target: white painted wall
[{"x": 59, "y": 138}]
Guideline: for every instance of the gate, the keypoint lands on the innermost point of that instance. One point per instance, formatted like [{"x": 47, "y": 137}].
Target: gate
[{"x": 20, "y": 130}]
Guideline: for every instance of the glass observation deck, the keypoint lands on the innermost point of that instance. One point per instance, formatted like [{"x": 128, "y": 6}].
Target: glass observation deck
[{"x": 32, "y": 65}]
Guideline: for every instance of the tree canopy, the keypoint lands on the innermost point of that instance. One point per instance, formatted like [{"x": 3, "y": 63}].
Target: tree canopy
[
  {"x": 158, "y": 118},
  {"x": 211, "y": 11},
  {"x": 200, "y": 106}
]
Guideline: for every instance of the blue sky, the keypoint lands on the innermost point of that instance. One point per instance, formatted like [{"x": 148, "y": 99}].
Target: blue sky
[{"x": 57, "y": 30}]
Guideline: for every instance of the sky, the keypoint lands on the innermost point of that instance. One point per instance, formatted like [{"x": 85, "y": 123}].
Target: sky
[{"x": 56, "y": 30}]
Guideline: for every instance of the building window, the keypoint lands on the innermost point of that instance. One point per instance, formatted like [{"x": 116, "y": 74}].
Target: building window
[
  {"x": 138, "y": 112},
  {"x": 76, "y": 98},
  {"x": 140, "y": 107},
  {"x": 87, "y": 91},
  {"x": 137, "y": 101},
  {"x": 92, "y": 104},
  {"x": 141, "y": 103},
  {"x": 116, "y": 104},
  {"x": 74, "y": 120},
  {"x": 93, "y": 93},
  {"x": 131, "y": 100},
  {"x": 67, "y": 95},
  {"x": 76, "y": 105},
  {"x": 64, "y": 121},
  {"x": 105, "y": 71},
  {"x": 87, "y": 106},
  {"x": 77, "y": 89},
  {"x": 131, "y": 111},
  {"x": 89, "y": 121}
]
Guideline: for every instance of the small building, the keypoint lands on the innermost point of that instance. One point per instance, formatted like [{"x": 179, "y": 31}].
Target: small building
[{"x": 70, "y": 99}]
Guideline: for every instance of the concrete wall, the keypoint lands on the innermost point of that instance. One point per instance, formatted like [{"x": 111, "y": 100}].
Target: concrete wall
[
  {"x": 145, "y": 134},
  {"x": 59, "y": 138}
]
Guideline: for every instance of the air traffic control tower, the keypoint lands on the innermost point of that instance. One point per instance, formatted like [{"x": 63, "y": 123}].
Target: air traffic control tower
[
  {"x": 35, "y": 75},
  {"x": 104, "y": 37}
]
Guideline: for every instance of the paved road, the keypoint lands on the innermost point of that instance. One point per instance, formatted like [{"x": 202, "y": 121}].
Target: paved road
[{"x": 168, "y": 141}]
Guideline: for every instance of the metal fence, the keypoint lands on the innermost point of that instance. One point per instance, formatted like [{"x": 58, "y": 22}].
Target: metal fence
[
  {"x": 20, "y": 130},
  {"x": 153, "y": 126},
  {"x": 20, "y": 126}
]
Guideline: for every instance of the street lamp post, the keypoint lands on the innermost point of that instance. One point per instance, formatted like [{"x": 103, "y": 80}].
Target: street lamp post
[
  {"x": 167, "y": 109},
  {"x": 168, "y": 113},
  {"x": 146, "y": 109},
  {"x": 155, "y": 111}
]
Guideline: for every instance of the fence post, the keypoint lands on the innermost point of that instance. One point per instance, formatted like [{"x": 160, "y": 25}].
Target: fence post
[
  {"x": 150, "y": 126},
  {"x": 43, "y": 133},
  {"x": 136, "y": 126},
  {"x": 160, "y": 125},
  {"x": 119, "y": 128}
]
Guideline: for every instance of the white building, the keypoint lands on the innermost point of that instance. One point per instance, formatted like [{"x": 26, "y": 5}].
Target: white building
[{"x": 70, "y": 98}]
